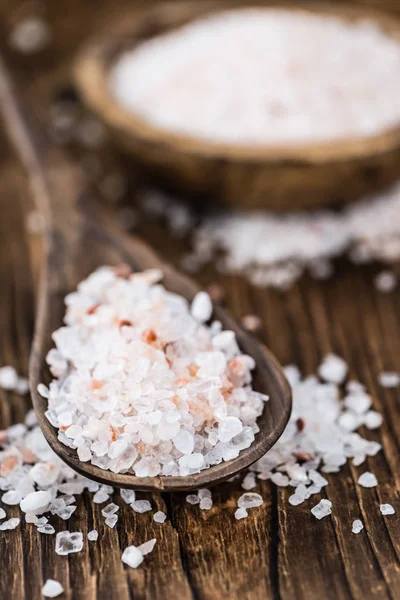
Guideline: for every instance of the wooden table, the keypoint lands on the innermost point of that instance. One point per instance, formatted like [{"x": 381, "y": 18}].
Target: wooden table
[{"x": 279, "y": 551}]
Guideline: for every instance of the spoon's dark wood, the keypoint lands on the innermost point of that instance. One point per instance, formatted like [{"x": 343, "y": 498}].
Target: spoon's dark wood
[{"x": 78, "y": 238}]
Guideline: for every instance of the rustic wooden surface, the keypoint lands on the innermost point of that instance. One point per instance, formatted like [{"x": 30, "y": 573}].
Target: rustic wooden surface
[{"x": 279, "y": 551}]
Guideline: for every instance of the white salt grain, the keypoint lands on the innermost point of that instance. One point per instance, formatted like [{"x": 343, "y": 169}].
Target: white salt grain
[
  {"x": 93, "y": 535},
  {"x": 322, "y": 509},
  {"x": 30, "y": 35},
  {"x": 2, "y": 513},
  {"x": 367, "y": 480},
  {"x": 389, "y": 379},
  {"x": 250, "y": 500},
  {"x": 192, "y": 499},
  {"x": 8, "y": 378},
  {"x": 128, "y": 496},
  {"x": 241, "y": 513},
  {"x": 110, "y": 509},
  {"x": 52, "y": 589},
  {"x": 132, "y": 557},
  {"x": 36, "y": 502},
  {"x": 159, "y": 517},
  {"x": 12, "y": 497},
  {"x": 68, "y": 542},
  {"x": 10, "y": 524},
  {"x": 385, "y": 282},
  {"x": 147, "y": 547},
  {"x": 206, "y": 504},
  {"x": 357, "y": 526},
  {"x": 333, "y": 369},
  {"x": 201, "y": 308},
  {"x": 387, "y": 509},
  {"x": 48, "y": 529},
  {"x": 141, "y": 506},
  {"x": 111, "y": 521}
]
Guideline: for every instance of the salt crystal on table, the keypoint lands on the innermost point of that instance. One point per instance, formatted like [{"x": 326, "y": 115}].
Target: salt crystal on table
[
  {"x": 241, "y": 513},
  {"x": 373, "y": 420},
  {"x": 2, "y": 513},
  {"x": 322, "y": 509},
  {"x": 8, "y": 378},
  {"x": 52, "y": 589},
  {"x": 10, "y": 524},
  {"x": 333, "y": 369},
  {"x": 128, "y": 496},
  {"x": 100, "y": 497},
  {"x": 132, "y": 557},
  {"x": 42, "y": 521},
  {"x": 147, "y": 547},
  {"x": 141, "y": 506},
  {"x": 229, "y": 428},
  {"x": 280, "y": 479},
  {"x": 110, "y": 509},
  {"x": 49, "y": 529},
  {"x": 30, "y": 35},
  {"x": 296, "y": 499},
  {"x": 204, "y": 493},
  {"x": 206, "y": 504},
  {"x": 66, "y": 512},
  {"x": 249, "y": 482},
  {"x": 250, "y": 500},
  {"x": 358, "y": 403},
  {"x": 367, "y": 480},
  {"x": 159, "y": 517},
  {"x": 192, "y": 499},
  {"x": 201, "y": 308},
  {"x": 385, "y": 281},
  {"x": 93, "y": 535},
  {"x": 29, "y": 518},
  {"x": 111, "y": 521},
  {"x": 43, "y": 390},
  {"x": 387, "y": 509},
  {"x": 36, "y": 502},
  {"x": 357, "y": 526},
  {"x": 389, "y": 379},
  {"x": 12, "y": 497},
  {"x": 68, "y": 542}
]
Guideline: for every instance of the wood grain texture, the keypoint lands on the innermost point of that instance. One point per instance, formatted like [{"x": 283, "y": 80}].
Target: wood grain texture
[{"x": 280, "y": 552}]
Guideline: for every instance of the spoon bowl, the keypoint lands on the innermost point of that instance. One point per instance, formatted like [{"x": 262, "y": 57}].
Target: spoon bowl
[{"x": 80, "y": 236}]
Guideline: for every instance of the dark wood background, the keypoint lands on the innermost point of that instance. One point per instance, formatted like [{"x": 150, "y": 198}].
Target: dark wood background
[{"x": 279, "y": 551}]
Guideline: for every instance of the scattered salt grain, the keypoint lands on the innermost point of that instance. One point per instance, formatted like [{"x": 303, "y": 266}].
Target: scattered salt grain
[
  {"x": 2, "y": 513},
  {"x": 387, "y": 509},
  {"x": 141, "y": 506},
  {"x": 10, "y": 524},
  {"x": 8, "y": 378},
  {"x": 333, "y": 369},
  {"x": 159, "y": 517},
  {"x": 357, "y": 526},
  {"x": 35, "y": 222},
  {"x": 389, "y": 379},
  {"x": 110, "y": 509},
  {"x": 30, "y": 35},
  {"x": 128, "y": 496},
  {"x": 147, "y": 547},
  {"x": 36, "y": 502},
  {"x": 52, "y": 589},
  {"x": 241, "y": 513},
  {"x": 93, "y": 535},
  {"x": 373, "y": 420},
  {"x": 250, "y": 500},
  {"x": 68, "y": 542},
  {"x": 322, "y": 509},
  {"x": 201, "y": 308},
  {"x": 12, "y": 497},
  {"x": 132, "y": 557},
  {"x": 249, "y": 482},
  {"x": 206, "y": 503},
  {"x": 100, "y": 497},
  {"x": 192, "y": 499},
  {"x": 251, "y": 322},
  {"x": 385, "y": 282},
  {"x": 111, "y": 521},
  {"x": 49, "y": 529},
  {"x": 367, "y": 480}
]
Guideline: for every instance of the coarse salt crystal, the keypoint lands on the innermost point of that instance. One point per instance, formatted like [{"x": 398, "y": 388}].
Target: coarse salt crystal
[
  {"x": 49, "y": 529},
  {"x": 128, "y": 496},
  {"x": 386, "y": 281},
  {"x": 147, "y": 547},
  {"x": 357, "y": 526},
  {"x": 132, "y": 557},
  {"x": 141, "y": 506},
  {"x": 241, "y": 513},
  {"x": 52, "y": 589},
  {"x": 12, "y": 497},
  {"x": 8, "y": 378},
  {"x": 322, "y": 509},
  {"x": 387, "y": 509},
  {"x": 389, "y": 379},
  {"x": 36, "y": 502},
  {"x": 110, "y": 509},
  {"x": 68, "y": 542},
  {"x": 206, "y": 504},
  {"x": 10, "y": 524},
  {"x": 159, "y": 516},
  {"x": 367, "y": 480},
  {"x": 333, "y": 369},
  {"x": 250, "y": 500},
  {"x": 192, "y": 499},
  {"x": 2, "y": 513},
  {"x": 201, "y": 308}
]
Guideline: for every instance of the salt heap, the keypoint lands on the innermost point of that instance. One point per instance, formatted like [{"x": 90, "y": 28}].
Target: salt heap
[
  {"x": 143, "y": 384},
  {"x": 264, "y": 77}
]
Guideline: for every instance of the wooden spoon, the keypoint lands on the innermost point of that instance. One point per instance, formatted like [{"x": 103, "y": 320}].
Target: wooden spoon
[{"x": 79, "y": 237}]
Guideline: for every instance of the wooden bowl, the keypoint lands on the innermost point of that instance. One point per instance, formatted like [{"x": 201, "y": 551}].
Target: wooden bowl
[{"x": 251, "y": 177}]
